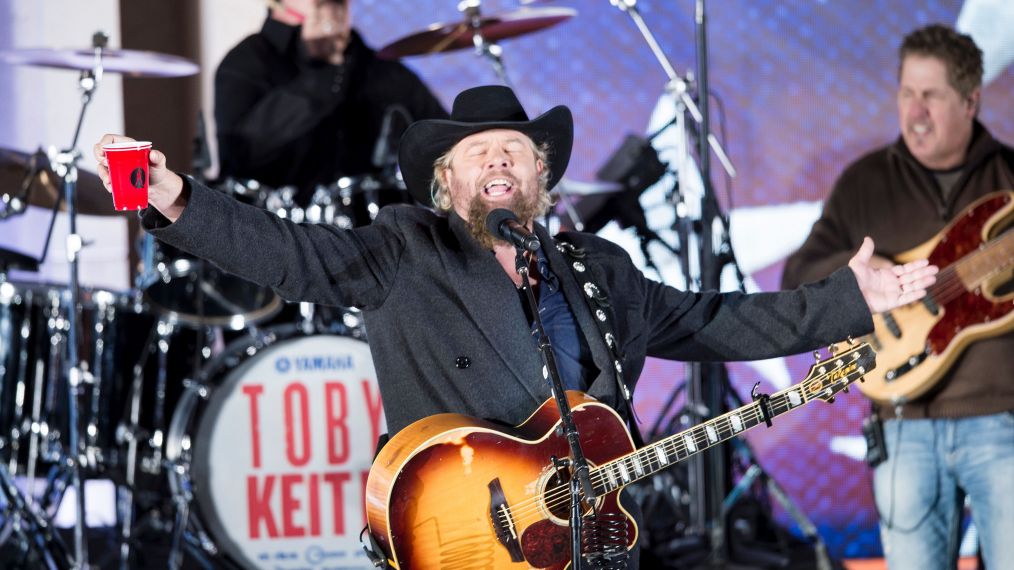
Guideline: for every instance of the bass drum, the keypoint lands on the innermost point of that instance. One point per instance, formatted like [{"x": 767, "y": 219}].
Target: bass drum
[{"x": 271, "y": 449}]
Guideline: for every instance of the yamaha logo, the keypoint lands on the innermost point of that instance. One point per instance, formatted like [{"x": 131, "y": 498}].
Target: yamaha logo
[{"x": 283, "y": 364}]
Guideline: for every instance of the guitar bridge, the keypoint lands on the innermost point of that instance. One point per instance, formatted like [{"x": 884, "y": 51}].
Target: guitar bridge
[
  {"x": 912, "y": 362},
  {"x": 503, "y": 521}
]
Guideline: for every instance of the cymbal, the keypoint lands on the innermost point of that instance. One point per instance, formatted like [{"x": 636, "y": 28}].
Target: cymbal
[
  {"x": 45, "y": 185},
  {"x": 458, "y": 35},
  {"x": 128, "y": 62},
  {"x": 579, "y": 188}
]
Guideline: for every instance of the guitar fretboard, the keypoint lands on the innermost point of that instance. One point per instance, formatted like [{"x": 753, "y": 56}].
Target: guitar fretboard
[{"x": 995, "y": 256}]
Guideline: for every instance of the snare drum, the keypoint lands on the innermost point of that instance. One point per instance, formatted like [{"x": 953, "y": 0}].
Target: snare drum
[
  {"x": 194, "y": 292},
  {"x": 272, "y": 448}
]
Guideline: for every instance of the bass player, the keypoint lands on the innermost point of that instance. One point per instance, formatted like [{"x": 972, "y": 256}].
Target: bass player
[{"x": 957, "y": 439}]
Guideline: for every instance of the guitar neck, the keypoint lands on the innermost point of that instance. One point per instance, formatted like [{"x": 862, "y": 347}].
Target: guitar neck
[
  {"x": 673, "y": 449},
  {"x": 995, "y": 256}
]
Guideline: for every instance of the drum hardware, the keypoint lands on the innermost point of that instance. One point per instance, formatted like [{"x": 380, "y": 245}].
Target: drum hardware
[
  {"x": 128, "y": 434},
  {"x": 282, "y": 203},
  {"x": 68, "y": 377}
]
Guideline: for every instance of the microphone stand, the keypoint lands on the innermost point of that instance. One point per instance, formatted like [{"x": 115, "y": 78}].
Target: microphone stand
[
  {"x": 580, "y": 481},
  {"x": 705, "y": 380}
]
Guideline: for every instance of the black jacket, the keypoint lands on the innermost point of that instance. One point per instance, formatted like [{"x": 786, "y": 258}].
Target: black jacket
[
  {"x": 431, "y": 294},
  {"x": 283, "y": 119}
]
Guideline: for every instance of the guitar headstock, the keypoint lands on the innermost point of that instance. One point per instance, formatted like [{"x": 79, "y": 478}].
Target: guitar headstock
[{"x": 832, "y": 375}]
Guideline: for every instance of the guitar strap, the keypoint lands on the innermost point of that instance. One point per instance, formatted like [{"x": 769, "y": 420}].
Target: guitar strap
[{"x": 598, "y": 304}]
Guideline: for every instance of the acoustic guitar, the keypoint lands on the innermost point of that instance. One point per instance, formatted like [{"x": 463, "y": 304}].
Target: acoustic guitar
[
  {"x": 919, "y": 342},
  {"x": 450, "y": 491}
]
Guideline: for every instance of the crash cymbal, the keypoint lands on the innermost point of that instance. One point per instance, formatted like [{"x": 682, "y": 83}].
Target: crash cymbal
[
  {"x": 458, "y": 35},
  {"x": 579, "y": 188},
  {"x": 44, "y": 186},
  {"x": 128, "y": 62}
]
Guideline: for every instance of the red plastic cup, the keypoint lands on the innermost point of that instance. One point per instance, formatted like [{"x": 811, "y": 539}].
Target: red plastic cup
[{"x": 128, "y": 172}]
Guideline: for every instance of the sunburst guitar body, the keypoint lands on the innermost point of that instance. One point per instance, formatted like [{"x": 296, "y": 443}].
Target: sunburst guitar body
[
  {"x": 918, "y": 343},
  {"x": 452, "y": 492}
]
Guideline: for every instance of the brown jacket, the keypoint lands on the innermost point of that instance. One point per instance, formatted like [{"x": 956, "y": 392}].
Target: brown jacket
[{"x": 889, "y": 196}]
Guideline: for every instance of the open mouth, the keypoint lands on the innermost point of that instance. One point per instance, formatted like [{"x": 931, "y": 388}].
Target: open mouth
[{"x": 497, "y": 187}]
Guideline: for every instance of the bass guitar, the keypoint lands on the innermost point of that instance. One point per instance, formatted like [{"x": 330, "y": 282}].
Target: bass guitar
[
  {"x": 917, "y": 343},
  {"x": 450, "y": 491}
]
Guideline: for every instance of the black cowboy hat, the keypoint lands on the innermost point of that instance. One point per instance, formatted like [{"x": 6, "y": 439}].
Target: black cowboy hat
[{"x": 475, "y": 110}]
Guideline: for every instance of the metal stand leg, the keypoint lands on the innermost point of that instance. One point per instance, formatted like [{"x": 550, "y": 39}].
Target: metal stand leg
[
  {"x": 129, "y": 434},
  {"x": 32, "y": 530}
]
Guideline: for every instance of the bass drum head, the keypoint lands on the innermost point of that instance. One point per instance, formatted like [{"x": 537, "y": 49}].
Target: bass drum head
[{"x": 282, "y": 453}]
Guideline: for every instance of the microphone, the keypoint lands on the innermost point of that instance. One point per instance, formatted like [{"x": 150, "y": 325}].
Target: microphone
[
  {"x": 505, "y": 225},
  {"x": 382, "y": 149}
]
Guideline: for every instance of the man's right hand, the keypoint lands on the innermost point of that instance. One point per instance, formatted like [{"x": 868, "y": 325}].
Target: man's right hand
[{"x": 165, "y": 187}]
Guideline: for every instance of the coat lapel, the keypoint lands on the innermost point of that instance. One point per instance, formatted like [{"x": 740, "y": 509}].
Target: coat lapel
[
  {"x": 490, "y": 299},
  {"x": 604, "y": 382}
]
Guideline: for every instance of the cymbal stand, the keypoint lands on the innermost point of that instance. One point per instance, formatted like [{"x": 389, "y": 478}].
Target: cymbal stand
[
  {"x": 129, "y": 434},
  {"x": 484, "y": 48},
  {"x": 64, "y": 163}
]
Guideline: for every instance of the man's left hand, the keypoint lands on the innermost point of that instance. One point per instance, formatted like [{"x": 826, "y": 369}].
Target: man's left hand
[{"x": 886, "y": 288}]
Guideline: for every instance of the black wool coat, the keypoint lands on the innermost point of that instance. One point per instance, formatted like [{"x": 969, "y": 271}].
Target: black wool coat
[{"x": 430, "y": 294}]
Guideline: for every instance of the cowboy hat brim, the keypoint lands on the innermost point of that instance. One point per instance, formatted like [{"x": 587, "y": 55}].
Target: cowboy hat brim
[{"x": 426, "y": 141}]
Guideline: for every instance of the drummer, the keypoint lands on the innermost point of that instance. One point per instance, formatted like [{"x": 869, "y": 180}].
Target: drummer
[{"x": 303, "y": 101}]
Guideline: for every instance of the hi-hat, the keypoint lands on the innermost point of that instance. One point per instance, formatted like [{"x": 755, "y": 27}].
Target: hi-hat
[
  {"x": 45, "y": 187},
  {"x": 439, "y": 38},
  {"x": 128, "y": 62}
]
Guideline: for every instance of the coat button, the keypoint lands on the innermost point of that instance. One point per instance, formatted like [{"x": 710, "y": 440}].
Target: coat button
[{"x": 462, "y": 362}]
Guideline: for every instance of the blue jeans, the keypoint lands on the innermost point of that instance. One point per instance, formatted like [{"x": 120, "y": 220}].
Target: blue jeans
[{"x": 920, "y": 490}]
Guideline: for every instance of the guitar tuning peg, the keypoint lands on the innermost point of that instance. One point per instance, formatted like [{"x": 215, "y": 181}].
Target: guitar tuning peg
[
  {"x": 851, "y": 341},
  {"x": 816, "y": 355},
  {"x": 845, "y": 389},
  {"x": 830, "y": 400},
  {"x": 832, "y": 349}
]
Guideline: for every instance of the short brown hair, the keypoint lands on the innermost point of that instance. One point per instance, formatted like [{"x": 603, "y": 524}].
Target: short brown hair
[{"x": 958, "y": 51}]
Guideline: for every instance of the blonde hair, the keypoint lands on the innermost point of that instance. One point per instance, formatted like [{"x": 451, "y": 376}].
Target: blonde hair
[{"x": 440, "y": 193}]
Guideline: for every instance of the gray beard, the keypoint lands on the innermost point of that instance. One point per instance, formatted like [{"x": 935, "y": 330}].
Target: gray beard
[{"x": 526, "y": 208}]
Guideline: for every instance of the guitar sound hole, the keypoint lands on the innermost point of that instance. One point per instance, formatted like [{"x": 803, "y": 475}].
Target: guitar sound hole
[{"x": 557, "y": 496}]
